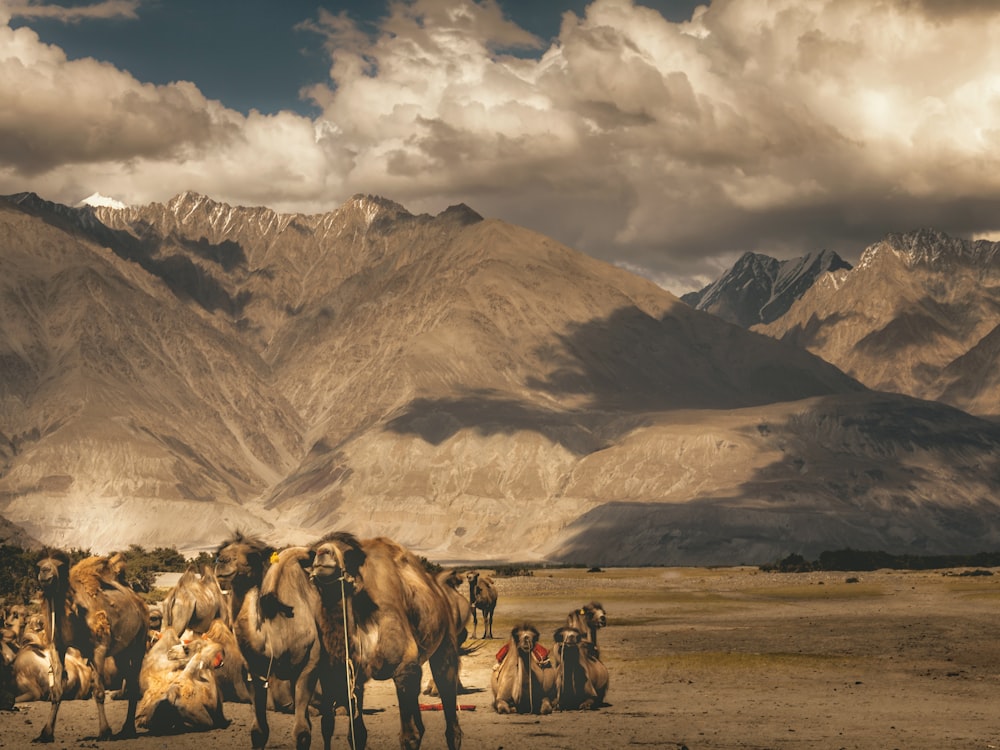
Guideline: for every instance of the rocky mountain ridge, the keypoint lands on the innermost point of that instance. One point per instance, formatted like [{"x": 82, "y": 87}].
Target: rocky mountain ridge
[
  {"x": 760, "y": 289},
  {"x": 469, "y": 387},
  {"x": 919, "y": 315}
]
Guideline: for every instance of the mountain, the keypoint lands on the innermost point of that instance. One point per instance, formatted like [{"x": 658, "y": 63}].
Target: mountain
[
  {"x": 760, "y": 289},
  {"x": 919, "y": 315},
  {"x": 471, "y": 388}
]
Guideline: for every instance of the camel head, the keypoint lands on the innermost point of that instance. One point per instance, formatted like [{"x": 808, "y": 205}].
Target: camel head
[
  {"x": 525, "y": 637},
  {"x": 240, "y": 562},
  {"x": 16, "y": 618},
  {"x": 53, "y": 570},
  {"x": 594, "y": 615},
  {"x": 473, "y": 578},
  {"x": 155, "y": 618},
  {"x": 338, "y": 556}
]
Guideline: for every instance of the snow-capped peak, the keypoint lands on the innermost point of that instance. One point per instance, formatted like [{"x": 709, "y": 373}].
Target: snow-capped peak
[{"x": 97, "y": 200}]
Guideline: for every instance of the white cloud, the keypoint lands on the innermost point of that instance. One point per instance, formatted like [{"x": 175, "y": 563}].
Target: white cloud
[
  {"x": 72, "y": 14},
  {"x": 779, "y": 126}
]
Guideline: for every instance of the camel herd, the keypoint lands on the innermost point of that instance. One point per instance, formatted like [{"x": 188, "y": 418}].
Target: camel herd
[{"x": 299, "y": 629}]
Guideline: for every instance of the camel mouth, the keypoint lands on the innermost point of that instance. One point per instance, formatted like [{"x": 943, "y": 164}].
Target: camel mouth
[{"x": 325, "y": 573}]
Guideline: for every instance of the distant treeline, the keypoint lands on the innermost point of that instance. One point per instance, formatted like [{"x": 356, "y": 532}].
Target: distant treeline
[
  {"x": 18, "y": 575},
  {"x": 854, "y": 559}
]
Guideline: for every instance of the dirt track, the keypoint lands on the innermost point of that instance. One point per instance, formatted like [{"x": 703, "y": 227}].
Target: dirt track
[{"x": 703, "y": 659}]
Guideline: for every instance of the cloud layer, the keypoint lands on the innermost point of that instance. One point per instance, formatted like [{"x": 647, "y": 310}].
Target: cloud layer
[{"x": 780, "y": 127}]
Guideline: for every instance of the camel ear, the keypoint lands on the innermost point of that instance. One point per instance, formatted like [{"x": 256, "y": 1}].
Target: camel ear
[
  {"x": 558, "y": 635},
  {"x": 354, "y": 558}
]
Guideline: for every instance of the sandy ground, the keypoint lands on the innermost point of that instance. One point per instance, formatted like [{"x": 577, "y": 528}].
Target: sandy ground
[{"x": 703, "y": 659}]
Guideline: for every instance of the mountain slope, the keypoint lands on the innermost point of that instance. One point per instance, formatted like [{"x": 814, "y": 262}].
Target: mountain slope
[
  {"x": 471, "y": 388},
  {"x": 917, "y": 316},
  {"x": 760, "y": 289}
]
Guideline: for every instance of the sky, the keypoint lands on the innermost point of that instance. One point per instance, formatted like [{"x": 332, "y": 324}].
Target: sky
[{"x": 665, "y": 136}]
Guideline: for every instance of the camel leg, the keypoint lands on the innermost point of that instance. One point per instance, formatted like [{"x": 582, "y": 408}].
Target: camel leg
[
  {"x": 132, "y": 663},
  {"x": 104, "y": 729},
  {"x": 305, "y": 687},
  {"x": 475, "y": 622},
  {"x": 259, "y": 730},
  {"x": 55, "y": 696},
  {"x": 407, "y": 680},
  {"x": 444, "y": 668},
  {"x": 488, "y": 618}
]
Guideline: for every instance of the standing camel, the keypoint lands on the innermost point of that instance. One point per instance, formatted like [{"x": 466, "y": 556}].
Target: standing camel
[
  {"x": 273, "y": 617},
  {"x": 85, "y": 606},
  {"x": 482, "y": 597},
  {"x": 397, "y": 618}
]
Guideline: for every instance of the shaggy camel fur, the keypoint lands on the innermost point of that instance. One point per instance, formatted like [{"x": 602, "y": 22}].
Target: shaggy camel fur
[
  {"x": 274, "y": 621},
  {"x": 581, "y": 677},
  {"x": 179, "y": 689},
  {"x": 195, "y": 602},
  {"x": 398, "y": 617},
  {"x": 451, "y": 582},
  {"x": 15, "y": 618},
  {"x": 482, "y": 597},
  {"x": 588, "y": 619},
  {"x": 85, "y": 607},
  {"x": 523, "y": 681}
]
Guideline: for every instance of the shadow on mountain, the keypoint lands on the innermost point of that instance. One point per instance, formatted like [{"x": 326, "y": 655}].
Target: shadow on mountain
[
  {"x": 869, "y": 476},
  {"x": 606, "y": 373},
  {"x": 815, "y": 332},
  {"x": 490, "y": 413},
  {"x": 147, "y": 248}
]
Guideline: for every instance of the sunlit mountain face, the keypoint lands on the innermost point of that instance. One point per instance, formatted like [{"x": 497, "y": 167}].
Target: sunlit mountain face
[{"x": 471, "y": 388}]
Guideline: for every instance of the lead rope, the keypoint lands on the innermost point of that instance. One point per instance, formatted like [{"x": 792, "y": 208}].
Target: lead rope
[
  {"x": 52, "y": 650},
  {"x": 348, "y": 664}
]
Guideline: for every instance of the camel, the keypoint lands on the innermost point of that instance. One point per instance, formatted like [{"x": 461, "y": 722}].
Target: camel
[
  {"x": 581, "y": 677},
  {"x": 15, "y": 619},
  {"x": 523, "y": 681},
  {"x": 482, "y": 597},
  {"x": 398, "y": 617},
  {"x": 33, "y": 671},
  {"x": 85, "y": 607},
  {"x": 8, "y": 652},
  {"x": 195, "y": 602},
  {"x": 179, "y": 686},
  {"x": 275, "y": 627},
  {"x": 451, "y": 583},
  {"x": 588, "y": 619}
]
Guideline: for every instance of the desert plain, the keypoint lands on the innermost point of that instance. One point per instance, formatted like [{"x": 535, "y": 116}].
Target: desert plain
[{"x": 699, "y": 658}]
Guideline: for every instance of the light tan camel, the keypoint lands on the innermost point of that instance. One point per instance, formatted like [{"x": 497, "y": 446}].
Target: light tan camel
[
  {"x": 588, "y": 619},
  {"x": 273, "y": 618},
  {"x": 179, "y": 686},
  {"x": 15, "y": 619},
  {"x": 33, "y": 671},
  {"x": 482, "y": 597},
  {"x": 195, "y": 602},
  {"x": 523, "y": 681},
  {"x": 398, "y": 617},
  {"x": 85, "y": 607},
  {"x": 581, "y": 677}
]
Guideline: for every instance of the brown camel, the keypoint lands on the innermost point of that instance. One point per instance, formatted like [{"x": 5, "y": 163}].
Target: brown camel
[
  {"x": 398, "y": 617},
  {"x": 482, "y": 597},
  {"x": 195, "y": 602},
  {"x": 7, "y": 655},
  {"x": 85, "y": 607},
  {"x": 451, "y": 583},
  {"x": 33, "y": 671},
  {"x": 178, "y": 680},
  {"x": 581, "y": 677},
  {"x": 588, "y": 619},
  {"x": 273, "y": 617},
  {"x": 523, "y": 681},
  {"x": 15, "y": 618}
]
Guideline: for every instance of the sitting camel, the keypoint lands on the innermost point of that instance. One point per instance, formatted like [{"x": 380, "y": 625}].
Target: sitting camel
[
  {"x": 482, "y": 597},
  {"x": 8, "y": 652},
  {"x": 85, "y": 607},
  {"x": 581, "y": 677},
  {"x": 523, "y": 681},
  {"x": 33, "y": 671},
  {"x": 273, "y": 617},
  {"x": 179, "y": 687},
  {"x": 397, "y": 617},
  {"x": 588, "y": 620}
]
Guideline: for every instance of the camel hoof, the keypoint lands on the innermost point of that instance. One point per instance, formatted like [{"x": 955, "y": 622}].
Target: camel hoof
[{"x": 43, "y": 738}]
